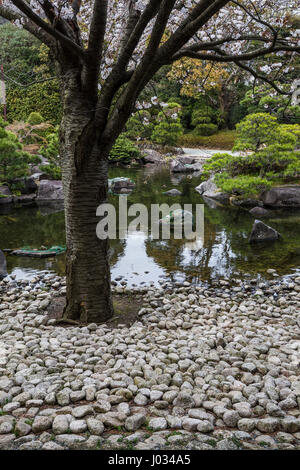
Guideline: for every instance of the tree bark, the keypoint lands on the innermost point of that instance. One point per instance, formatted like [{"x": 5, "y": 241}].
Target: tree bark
[{"x": 84, "y": 173}]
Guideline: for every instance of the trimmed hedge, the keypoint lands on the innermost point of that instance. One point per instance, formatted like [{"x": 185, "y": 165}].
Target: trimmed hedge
[
  {"x": 222, "y": 140},
  {"x": 40, "y": 98}
]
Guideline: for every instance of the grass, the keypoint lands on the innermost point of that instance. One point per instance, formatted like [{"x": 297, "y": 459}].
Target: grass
[
  {"x": 237, "y": 442},
  {"x": 174, "y": 433},
  {"x": 223, "y": 140},
  {"x": 29, "y": 421},
  {"x": 211, "y": 442},
  {"x": 98, "y": 446},
  {"x": 130, "y": 446},
  {"x": 264, "y": 444}
]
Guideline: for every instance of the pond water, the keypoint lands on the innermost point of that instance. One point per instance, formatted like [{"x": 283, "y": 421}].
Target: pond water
[{"x": 140, "y": 259}]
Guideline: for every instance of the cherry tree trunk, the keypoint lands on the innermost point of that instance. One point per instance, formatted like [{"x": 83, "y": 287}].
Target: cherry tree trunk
[{"x": 84, "y": 173}]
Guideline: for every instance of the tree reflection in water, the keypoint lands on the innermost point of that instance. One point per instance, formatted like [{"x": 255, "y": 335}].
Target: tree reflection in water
[{"x": 225, "y": 250}]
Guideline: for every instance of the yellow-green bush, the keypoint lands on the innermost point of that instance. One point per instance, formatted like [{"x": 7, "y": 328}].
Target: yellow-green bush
[
  {"x": 222, "y": 140},
  {"x": 40, "y": 98}
]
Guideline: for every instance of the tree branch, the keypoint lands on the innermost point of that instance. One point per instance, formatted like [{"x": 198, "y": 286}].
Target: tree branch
[
  {"x": 97, "y": 28},
  {"x": 257, "y": 76},
  {"x": 202, "y": 13},
  {"x": 126, "y": 53},
  {"x": 233, "y": 57},
  {"x": 64, "y": 40},
  {"x": 27, "y": 24},
  {"x": 155, "y": 56},
  {"x": 90, "y": 74},
  {"x": 204, "y": 46}
]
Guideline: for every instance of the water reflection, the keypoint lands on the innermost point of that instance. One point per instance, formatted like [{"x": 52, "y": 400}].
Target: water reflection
[
  {"x": 134, "y": 264},
  {"x": 140, "y": 259}
]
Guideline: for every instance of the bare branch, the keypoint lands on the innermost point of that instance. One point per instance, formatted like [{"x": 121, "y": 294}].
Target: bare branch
[
  {"x": 258, "y": 19},
  {"x": 95, "y": 47},
  {"x": 97, "y": 28},
  {"x": 199, "y": 16},
  {"x": 233, "y": 57},
  {"x": 27, "y": 24},
  {"x": 64, "y": 40},
  {"x": 205, "y": 46},
  {"x": 257, "y": 76},
  {"x": 148, "y": 14}
]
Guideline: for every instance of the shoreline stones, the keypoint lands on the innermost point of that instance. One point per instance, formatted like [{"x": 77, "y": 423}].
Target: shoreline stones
[
  {"x": 3, "y": 271},
  {"x": 208, "y": 189},
  {"x": 204, "y": 367},
  {"x": 6, "y": 196},
  {"x": 282, "y": 196}
]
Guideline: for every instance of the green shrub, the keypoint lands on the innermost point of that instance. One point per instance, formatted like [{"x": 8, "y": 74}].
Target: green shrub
[
  {"x": 266, "y": 100},
  {"x": 124, "y": 151},
  {"x": 222, "y": 140},
  {"x": 14, "y": 162},
  {"x": 201, "y": 115},
  {"x": 256, "y": 130},
  {"x": 293, "y": 168},
  {"x": 275, "y": 158},
  {"x": 52, "y": 171},
  {"x": 293, "y": 129},
  {"x": 167, "y": 132},
  {"x": 207, "y": 129},
  {"x": 35, "y": 118},
  {"x": 242, "y": 185},
  {"x": 139, "y": 126},
  {"x": 202, "y": 121},
  {"x": 19, "y": 52},
  {"x": 31, "y": 134},
  {"x": 43, "y": 98},
  {"x": 51, "y": 152}
]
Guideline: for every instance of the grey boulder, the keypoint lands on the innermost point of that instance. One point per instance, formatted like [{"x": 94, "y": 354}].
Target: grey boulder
[
  {"x": 173, "y": 192},
  {"x": 50, "y": 190},
  {"x": 3, "y": 272},
  {"x": 152, "y": 156},
  {"x": 262, "y": 232},
  {"x": 259, "y": 212},
  {"x": 210, "y": 190},
  {"x": 282, "y": 196},
  {"x": 6, "y": 196},
  {"x": 27, "y": 185},
  {"x": 181, "y": 165}
]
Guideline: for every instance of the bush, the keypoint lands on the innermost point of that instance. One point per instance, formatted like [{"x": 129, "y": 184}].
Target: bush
[
  {"x": 31, "y": 134},
  {"x": 35, "y": 118},
  {"x": 52, "y": 171},
  {"x": 202, "y": 121},
  {"x": 43, "y": 98},
  {"x": 242, "y": 185},
  {"x": 51, "y": 153},
  {"x": 293, "y": 129},
  {"x": 139, "y": 126},
  {"x": 274, "y": 161},
  {"x": 168, "y": 125},
  {"x": 19, "y": 52},
  {"x": 222, "y": 140},
  {"x": 207, "y": 129},
  {"x": 201, "y": 115},
  {"x": 167, "y": 133},
  {"x": 124, "y": 151},
  {"x": 14, "y": 162},
  {"x": 266, "y": 100}
]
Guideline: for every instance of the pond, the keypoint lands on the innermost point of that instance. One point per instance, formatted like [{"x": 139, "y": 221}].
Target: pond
[{"x": 140, "y": 259}]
